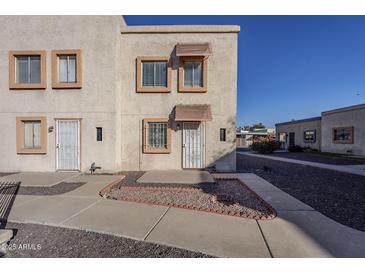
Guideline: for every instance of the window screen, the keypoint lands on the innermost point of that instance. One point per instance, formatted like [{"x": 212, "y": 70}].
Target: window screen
[
  {"x": 67, "y": 68},
  {"x": 193, "y": 75},
  {"x": 32, "y": 134},
  {"x": 28, "y": 69},
  {"x": 157, "y": 135},
  {"x": 222, "y": 134},
  {"x": 154, "y": 74}
]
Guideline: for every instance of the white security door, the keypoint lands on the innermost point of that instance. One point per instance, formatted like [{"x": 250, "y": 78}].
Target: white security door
[
  {"x": 68, "y": 144},
  {"x": 193, "y": 145}
]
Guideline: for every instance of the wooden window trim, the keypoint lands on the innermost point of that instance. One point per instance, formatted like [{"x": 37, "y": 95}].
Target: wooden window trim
[
  {"x": 55, "y": 81},
  {"x": 20, "y": 135},
  {"x": 150, "y": 150},
  {"x": 142, "y": 89},
  {"x": 12, "y": 67},
  {"x": 202, "y": 89},
  {"x": 346, "y": 141}
]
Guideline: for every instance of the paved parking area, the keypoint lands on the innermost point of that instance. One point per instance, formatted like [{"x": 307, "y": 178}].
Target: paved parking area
[
  {"x": 351, "y": 169},
  {"x": 319, "y": 157}
]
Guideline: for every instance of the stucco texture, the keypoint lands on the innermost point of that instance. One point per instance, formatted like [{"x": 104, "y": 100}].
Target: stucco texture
[
  {"x": 95, "y": 103},
  {"x": 221, "y": 95},
  {"x": 350, "y": 118}
]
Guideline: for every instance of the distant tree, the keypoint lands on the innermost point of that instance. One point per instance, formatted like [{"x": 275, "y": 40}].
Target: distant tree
[
  {"x": 259, "y": 125},
  {"x": 254, "y": 126}
]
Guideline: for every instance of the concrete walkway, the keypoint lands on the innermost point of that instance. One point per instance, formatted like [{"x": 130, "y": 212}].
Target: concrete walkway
[
  {"x": 190, "y": 177},
  {"x": 353, "y": 169},
  {"x": 298, "y": 231}
]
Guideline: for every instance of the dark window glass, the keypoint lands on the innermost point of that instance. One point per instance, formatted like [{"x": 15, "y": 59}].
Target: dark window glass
[
  {"x": 310, "y": 136},
  {"x": 222, "y": 134},
  {"x": 99, "y": 134},
  {"x": 343, "y": 134}
]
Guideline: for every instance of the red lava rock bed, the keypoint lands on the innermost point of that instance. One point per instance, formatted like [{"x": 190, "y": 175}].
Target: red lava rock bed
[{"x": 228, "y": 197}]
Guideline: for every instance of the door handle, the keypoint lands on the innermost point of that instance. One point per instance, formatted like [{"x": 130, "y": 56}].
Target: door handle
[{"x": 58, "y": 146}]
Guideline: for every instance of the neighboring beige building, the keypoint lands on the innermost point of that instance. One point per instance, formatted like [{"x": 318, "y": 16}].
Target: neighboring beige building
[
  {"x": 81, "y": 89},
  {"x": 343, "y": 130},
  {"x": 305, "y": 133},
  {"x": 245, "y": 138},
  {"x": 337, "y": 131}
]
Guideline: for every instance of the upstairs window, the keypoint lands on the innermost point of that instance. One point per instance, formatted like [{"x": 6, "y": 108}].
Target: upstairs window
[
  {"x": 310, "y": 136},
  {"x": 193, "y": 74},
  {"x": 66, "y": 69},
  {"x": 153, "y": 74},
  {"x": 156, "y": 136},
  {"x": 343, "y": 135},
  {"x": 27, "y": 69}
]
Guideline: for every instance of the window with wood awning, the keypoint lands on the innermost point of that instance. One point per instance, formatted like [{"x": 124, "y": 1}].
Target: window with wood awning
[
  {"x": 193, "y": 113},
  {"x": 193, "y": 66}
]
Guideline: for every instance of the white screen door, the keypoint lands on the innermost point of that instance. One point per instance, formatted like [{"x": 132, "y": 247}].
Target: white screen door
[
  {"x": 193, "y": 145},
  {"x": 68, "y": 144}
]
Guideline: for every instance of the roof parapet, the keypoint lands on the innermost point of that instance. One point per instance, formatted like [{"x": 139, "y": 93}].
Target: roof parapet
[
  {"x": 299, "y": 121},
  {"x": 337, "y": 110},
  {"x": 181, "y": 29}
]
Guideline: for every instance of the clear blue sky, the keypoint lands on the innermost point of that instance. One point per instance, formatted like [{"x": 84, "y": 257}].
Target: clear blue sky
[{"x": 290, "y": 67}]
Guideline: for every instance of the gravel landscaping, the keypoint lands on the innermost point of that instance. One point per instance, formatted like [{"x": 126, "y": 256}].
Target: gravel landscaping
[
  {"x": 339, "y": 196},
  {"x": 229, "y": 197},
  {"x": 58, "y": 189},
  {"x": 332, "y": 159},
  {"x": 41, "y": 241}
]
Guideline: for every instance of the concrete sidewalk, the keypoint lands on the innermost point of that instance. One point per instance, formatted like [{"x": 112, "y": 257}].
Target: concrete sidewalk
[
  {"x": 186, "y": 177},
  {"x": 298, "y": 231},
  {"x": 353, "y": 169}
]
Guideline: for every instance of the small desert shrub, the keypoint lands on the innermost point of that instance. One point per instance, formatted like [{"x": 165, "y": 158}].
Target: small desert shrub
[
  {"x": 295, "y": 148},
  {"x": 264, "y": 146}
]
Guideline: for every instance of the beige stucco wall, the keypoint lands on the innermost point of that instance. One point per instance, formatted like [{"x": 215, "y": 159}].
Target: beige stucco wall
[
  {"x": 298, "y": 128},
  {"x": 221, "y": 95},
  {"x": 95, "y": 103},
  {"x": 350, "y": 118}
]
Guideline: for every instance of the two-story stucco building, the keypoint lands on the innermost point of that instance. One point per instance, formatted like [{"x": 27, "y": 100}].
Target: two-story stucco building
[{"x": 81, "y": 89}]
